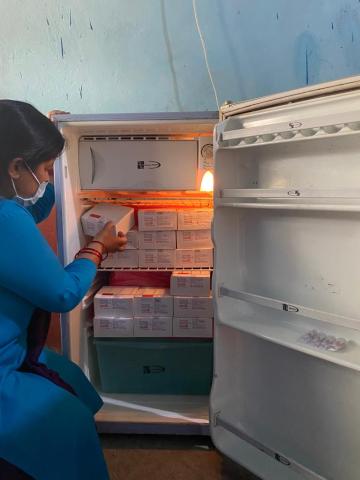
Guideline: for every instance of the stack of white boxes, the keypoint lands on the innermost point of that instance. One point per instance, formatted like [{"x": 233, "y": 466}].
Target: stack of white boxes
[
  {"x": 171, "y": 239},
  {"x": 193, "y": 306},
  {"x": 133, "y": 311},
  {"x": 167, "y": 238}
]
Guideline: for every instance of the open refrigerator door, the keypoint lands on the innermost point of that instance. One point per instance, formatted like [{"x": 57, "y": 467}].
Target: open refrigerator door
[
  {"x": 284, "y": 400},
  {"x": 173, "y": 154}
]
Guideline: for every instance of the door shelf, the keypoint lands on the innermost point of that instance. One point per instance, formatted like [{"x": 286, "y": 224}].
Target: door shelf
[
  {"x": 285, "y": 327},
  {"x": 295, "y": 205},
  {"x": 289, "y": 193},
  {"x": 346, "y": 124}
]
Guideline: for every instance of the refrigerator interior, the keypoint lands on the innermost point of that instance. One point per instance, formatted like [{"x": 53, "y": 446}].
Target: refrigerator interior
[
  {"x": 287, "y": 233},
  {"x": 125, "y": 413}
]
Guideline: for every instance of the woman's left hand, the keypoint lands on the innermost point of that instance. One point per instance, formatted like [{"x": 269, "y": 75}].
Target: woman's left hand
[{"x": 52, "y": 113}]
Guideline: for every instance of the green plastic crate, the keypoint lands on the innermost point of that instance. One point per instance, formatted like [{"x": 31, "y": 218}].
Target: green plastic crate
[{"x": 155, "y": 366}]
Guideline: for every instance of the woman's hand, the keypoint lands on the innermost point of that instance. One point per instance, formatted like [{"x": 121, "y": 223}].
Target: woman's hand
[
  {"x": 51, "y": 114},
  {"x": 111, "y": 242}
]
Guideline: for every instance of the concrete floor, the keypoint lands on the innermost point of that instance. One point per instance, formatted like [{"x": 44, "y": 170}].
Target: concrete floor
[{"x": 136, "y": 457}]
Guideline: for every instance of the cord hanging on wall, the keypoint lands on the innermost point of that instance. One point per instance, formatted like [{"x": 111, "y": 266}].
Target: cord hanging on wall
[{"x": 205, "y": 53}]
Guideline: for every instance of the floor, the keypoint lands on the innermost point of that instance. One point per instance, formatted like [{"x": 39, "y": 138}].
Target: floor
[{"x": 135, "y": 457}]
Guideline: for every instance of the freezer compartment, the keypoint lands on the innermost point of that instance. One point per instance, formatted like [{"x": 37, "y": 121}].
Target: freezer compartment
[
  {"x": 280, "y": 274},
  {"x": 149, "y": 163},
  {"x": 155, "y": 366}
]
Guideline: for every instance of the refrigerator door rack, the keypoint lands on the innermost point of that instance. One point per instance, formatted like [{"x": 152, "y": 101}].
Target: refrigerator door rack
[{"x": 347, "y": 124}]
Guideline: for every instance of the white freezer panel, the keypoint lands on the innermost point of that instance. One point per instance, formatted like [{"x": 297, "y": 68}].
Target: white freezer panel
[{"x": 138, "y": 164}]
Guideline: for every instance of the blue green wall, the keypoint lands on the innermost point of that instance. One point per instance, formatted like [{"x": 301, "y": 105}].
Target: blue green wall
[{"x": 145, "y": 55}]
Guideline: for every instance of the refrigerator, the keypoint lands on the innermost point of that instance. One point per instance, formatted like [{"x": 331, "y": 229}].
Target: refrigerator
[{"x": 286, "y": 387}]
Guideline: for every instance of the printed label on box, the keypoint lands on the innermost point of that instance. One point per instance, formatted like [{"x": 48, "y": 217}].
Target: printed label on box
[
  {"x": 194, "y": 239},
  {"x": 153, "y": 302},
  {"x": 193, "y": 327},
  {"x": 157, "y": 258},
  {"x": 113, "y": 327},
  {"x": 165, "y": 240},
  {"x": 191, "y": 258},
  {"x": 195, "y": 219},
  {"x": 132, "y": 239},
  {"x": 153, "y": 327},
  {"x": 96, "y": 218},
  {"x": 193, "y": 307},
  {"x": 192, "y": 284},
  {"x": 161, "y": 219}
]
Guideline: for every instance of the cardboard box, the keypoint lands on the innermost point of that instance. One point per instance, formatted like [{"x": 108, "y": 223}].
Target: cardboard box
[
  {"x": 157, "y": 219},
  {"x": 124, "y": 259},
  {"x": 165, "y": 240},
  {"x": 115, "y": 302},
  {"x": 195, "y": 219},
  {"x": 97, "y": 217},
  {"x": 191, "y": 307},
  {"x": 132, "y": 239},
  {"x": 153, "y": 302},
  {"x": 190, "y": 284},
  {"x": 193, "y": 327},
  {"x": 193, "y": 239},
  {"x": 157, "y": 258},
  {"x": 113, "y": 327},
  {"x": 127, "y": 259},
  {"x": 194, "y": 258},
  {"x": 153, "y": 327}
]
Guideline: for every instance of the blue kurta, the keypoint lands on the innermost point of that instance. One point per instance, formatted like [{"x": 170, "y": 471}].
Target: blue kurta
[{"x": 44, "y": 430}]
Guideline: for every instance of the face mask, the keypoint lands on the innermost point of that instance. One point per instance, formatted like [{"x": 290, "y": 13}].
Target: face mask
[{"x": 27, "y": 202}]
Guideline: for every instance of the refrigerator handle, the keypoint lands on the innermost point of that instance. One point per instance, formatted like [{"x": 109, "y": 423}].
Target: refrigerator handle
[{"x": 93, "y": 165}]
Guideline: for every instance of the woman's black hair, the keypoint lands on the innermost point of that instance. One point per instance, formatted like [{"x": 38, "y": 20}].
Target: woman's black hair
[{"x": 26, "y": 133}]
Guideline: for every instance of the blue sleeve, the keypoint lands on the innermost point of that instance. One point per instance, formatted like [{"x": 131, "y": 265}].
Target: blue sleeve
[
  {"x": 29, "y": 268},
  {"x": 42, "y": 208}
]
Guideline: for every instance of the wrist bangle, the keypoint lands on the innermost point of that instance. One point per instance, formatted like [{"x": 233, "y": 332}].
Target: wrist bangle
[
  {"x": 90, "y": 251},
  {"x": 100, "y": 243}
]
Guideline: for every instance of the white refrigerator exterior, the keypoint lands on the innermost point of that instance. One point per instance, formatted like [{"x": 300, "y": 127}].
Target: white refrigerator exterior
[{"x": 287, "y": 238}]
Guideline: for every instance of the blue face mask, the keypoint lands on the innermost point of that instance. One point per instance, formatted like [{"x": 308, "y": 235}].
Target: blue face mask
[{"x": 27, "y": 202}]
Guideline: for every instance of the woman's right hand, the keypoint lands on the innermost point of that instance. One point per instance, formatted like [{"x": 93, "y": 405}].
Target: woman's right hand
[{"x": 112, "y": 243}]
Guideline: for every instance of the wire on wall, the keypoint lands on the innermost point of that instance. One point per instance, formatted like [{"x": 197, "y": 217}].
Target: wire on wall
[{"x": 205, "y": 52}]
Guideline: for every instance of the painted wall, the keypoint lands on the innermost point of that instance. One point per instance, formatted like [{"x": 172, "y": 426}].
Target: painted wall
[{"x": 145, "y": 55}]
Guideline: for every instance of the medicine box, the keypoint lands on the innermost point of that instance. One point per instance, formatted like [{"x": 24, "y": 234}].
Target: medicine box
[
  {"x": 97, "y": 217},
  {"x": 164, "y": 240},
  {"x": 132, "y": 239},
  {"x": 194, "y": 258},
  {"x": 157, "y": 258},
  {"x": 195, "y": 219},
  {"x": 115, "y": 302},
  {"x": 113, "y": 327},
  {"x": 149, "y": 302},
  {"x": 157, "y": 219},
  {"x": 200, "y": 327},
  {"x": 194, "y": 239},
  {"x": 193, "y": 307},
  {"x": 190, "y": 284},
  {"x": 124, "y": 259},
  {"x": 152, "y": 326}
]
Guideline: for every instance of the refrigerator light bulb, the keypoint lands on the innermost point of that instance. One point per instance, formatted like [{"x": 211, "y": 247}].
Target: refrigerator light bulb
[{"x": 207, "y": 182}]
